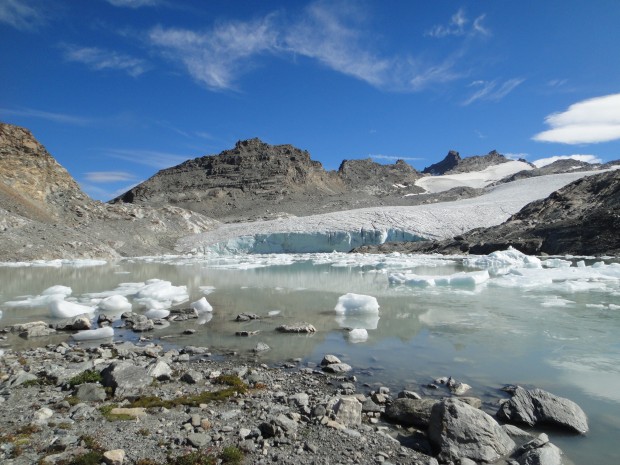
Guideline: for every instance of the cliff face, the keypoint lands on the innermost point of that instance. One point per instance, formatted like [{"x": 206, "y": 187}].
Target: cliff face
[
  {"x": 256, "y": 180},
  {"x": 32, "y": 178}
]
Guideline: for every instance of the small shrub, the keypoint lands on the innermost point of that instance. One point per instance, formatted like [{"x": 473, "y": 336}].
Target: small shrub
[
  {"x": 193, "y": 458},
  {"x": 88, "y": 376},
  {"x": 231, "y": 455}
]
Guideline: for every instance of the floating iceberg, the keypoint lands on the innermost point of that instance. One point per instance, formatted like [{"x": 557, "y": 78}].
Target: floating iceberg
[
  {"x": 157, "y": 313},
  {"x": 58, "y": 289},
  {"x": 92, "y": 334},
  {"x": 463, "y": 279},
  {"x": 115, "y": 304},
  {"x": 201, "y": 305},
  {"x": 60, "y": 308},
  {"x": 504, "y": 258},
  {"x": 357, "y": 303}
]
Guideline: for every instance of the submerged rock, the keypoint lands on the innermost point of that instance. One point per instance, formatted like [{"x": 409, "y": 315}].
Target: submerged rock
[{"x": 536, "y": 406}]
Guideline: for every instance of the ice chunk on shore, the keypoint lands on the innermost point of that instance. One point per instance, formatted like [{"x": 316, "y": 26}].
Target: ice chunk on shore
[
  {"x": 92, "y": 334},
  {"x": 462, "y": 279},
  {"x": 358, "y": 335},
  {"x": 504, "y": 258},
  {"x": 60, "y": 308},
  {"x": 201, "y": 305},
  {"x": 115, "y": 304},
  {"x": 157, "y": 313},
  {"x": 357, "y": 303}
]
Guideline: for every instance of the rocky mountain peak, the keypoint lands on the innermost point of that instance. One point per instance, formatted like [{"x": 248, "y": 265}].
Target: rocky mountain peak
[
  {"x": 449, "y": 162},
  {"x": 453, "y": 163},
  {"x": 29, "y": 171}
]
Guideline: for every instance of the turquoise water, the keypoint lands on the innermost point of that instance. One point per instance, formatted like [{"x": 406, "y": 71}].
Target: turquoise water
[{"x": 550, "y": 329}]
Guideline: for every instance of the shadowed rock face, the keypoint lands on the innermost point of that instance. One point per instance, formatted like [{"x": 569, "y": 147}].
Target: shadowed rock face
[{"x": 255, "y": 180}]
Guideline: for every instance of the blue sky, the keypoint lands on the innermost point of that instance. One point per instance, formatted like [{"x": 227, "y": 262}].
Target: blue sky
[{"x": 118, "y": 89}]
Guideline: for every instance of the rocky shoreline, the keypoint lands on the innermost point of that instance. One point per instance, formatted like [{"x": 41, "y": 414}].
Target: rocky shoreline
[{"x": 147, "y": 404}]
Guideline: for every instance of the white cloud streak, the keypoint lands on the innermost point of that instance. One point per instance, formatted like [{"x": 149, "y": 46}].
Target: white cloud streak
[
  {"x": 20, "y": 14},
  {"x": 108, "y": 176},
  {"x": 492, "y": 91},
  {"x": 216, "y": 58},
  {"x": 587, "y": 122},
  {"x": 100, "y": 59},
  {"x": 459, "y": 26},
  {"x": 585, "y": 158},
  {"x": 150, "y": 158},
  {"x": 49, "y": 116},
  {"x": 134, "y": 3},
  {"x": 331, "y": 34}
]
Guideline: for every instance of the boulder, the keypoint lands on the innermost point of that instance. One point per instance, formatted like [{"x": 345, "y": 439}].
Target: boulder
[
  {"x": 160, "y": 370},
  {"x": 348, "y": 411},
  {"x": 125, "y": 378},
  {"x": 457, "y": 430},
  {"x": 410, "y": 412},
  {"x": 539, "y": 451},
  {"x": 77, "y": 323},
  {"x": 536, "y": 406},
  {"x": 337, "y": 368},
  {"x": 33, "y": 329},
  {"x": 90, "y": 392}
]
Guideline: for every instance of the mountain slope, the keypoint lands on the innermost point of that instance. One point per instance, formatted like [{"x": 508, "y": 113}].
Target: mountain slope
[
  {"x": 45, "y": 215},
  {"x": 582, "y": 218}
]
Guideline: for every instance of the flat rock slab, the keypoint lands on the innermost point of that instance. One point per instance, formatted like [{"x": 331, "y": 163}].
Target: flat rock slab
[
  {"x": 301, "y": 327},
  {"x": 536, "y": 406},
  {"x": 411, "y": 412}
]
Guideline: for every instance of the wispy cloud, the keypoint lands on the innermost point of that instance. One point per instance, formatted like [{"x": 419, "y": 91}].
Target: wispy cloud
[
  {"x": 50, "y": 116},
  {"x": 21, "y": 14},
  {"x": 150, "y": 158},
  {"x": 586, "y": 122},
  {"x": 459, "y": 25},
  {"x": 108, "y": 176},
  {"x": 135, "y": 3},
  {"x": 492, "y": 91},
  {"x": 393, "y": 157},
  {"x": 585, "y": 158},
  {"x": 219, "y": 56},
  {"x": 100, "y": 59},
  {"x": 516, "y": 156},
  {"x": 101, "y": 193}
]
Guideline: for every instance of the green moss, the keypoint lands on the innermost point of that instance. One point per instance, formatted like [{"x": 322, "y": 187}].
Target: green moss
[
  {"x": 231, "y": 455},
  {"x": 88, "y": 376},
  {"x": 106, "y": 412},
  {"x": 233, "y": 381},
  {"x": 93, "y": 457}
]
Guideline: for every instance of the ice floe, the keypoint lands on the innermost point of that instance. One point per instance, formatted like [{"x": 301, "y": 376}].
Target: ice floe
[
  {"x": 93, "y": 334},
  {"x": 201, "y": 305},
  {"x": 462, "y": 279},
  {"x": 357, "y": 303},
  {"x": 504, "y": 258},
  {"x": 60, "y": 308},
  {"x": 157, "y": 313},
  {"x": 114, "y": 304}
]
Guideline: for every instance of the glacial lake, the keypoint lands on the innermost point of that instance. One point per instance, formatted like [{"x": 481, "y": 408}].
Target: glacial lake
[{"x": 553, "y": 325}]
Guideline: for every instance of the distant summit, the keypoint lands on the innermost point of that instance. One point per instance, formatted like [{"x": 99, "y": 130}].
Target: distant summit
[
  {"x": 256, "y": 180},
  {"x": 453, "y": 163}
]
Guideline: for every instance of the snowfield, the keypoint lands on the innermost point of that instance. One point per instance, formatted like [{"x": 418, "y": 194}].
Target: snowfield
[{"x": 342, "y": 231}]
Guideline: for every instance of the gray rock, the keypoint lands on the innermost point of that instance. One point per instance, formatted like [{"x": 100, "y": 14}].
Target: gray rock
[
  {"x": 261, "y": 347},
  {"x": 337, "y": 368},
  {"x": 192, "y": 377},
  {"x": 247, "y": 317},
  {"x": 301, "y": 327},
  {"x": 408, "y": 395},
  {"x": 286, "y": 424},
  {"x": 368, "y": 406},
  {"x": 536, "y": 406},
  {"x": 125, "y": 378},
  {"x": 348, "y": 411},
  {"x": 198, "y": 440},
  {"x": 330, "y": 359},
  {"x": 33, "y": 329},
  {"x": 160, "y": 370},
  {"x": 90, "y": 392},
  {"x": 539, "y": 451},
  {"x": 458, "y": 430},
  {"x": 410, "y": 412},
  {"x": 77, "y": 323},
  {"x": 300, "y": 399},
  {"x": 20, "y": 378}
]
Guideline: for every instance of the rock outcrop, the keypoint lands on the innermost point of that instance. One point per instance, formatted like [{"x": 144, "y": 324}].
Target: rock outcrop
[
  {"x": 45, "y": 215},
  {"x": 453, "y": 163}
]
